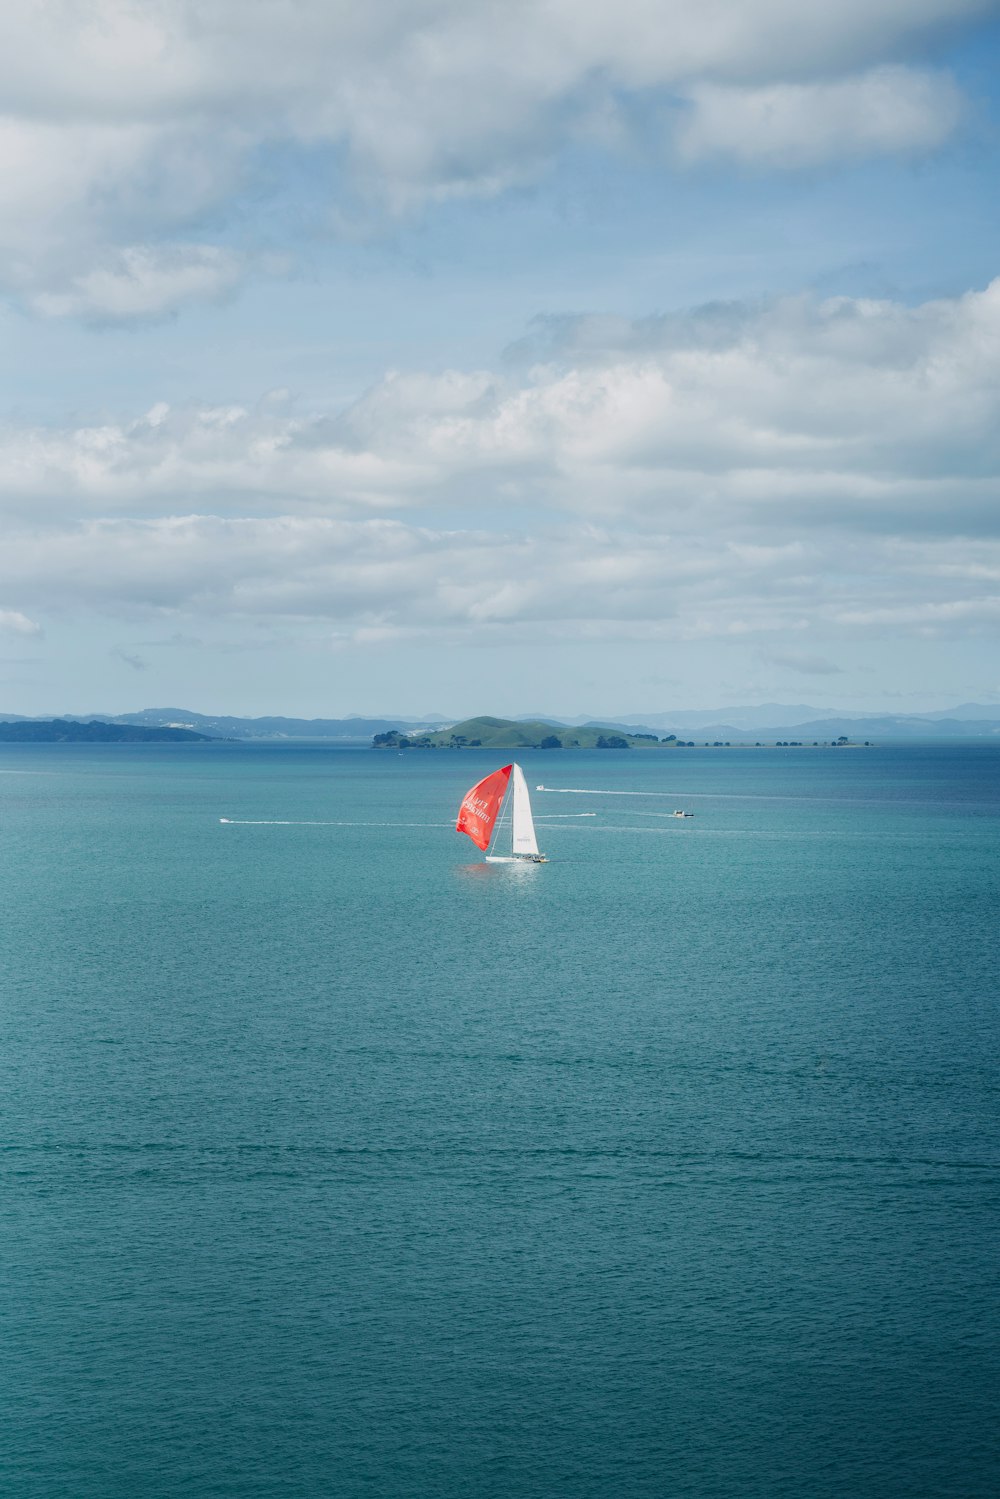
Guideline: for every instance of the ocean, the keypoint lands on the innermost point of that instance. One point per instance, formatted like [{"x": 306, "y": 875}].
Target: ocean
[{"x": 338, "y": 1163}]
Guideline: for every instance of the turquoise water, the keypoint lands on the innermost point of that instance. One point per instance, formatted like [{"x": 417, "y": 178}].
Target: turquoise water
[{"x": 337, "y": 1163}]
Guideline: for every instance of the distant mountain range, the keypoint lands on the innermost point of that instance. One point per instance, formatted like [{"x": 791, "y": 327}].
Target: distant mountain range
[
  {"x": 767, "y": 722},
  {"x": 221, "y": 726},
  {"x": 770, "y": 715}
]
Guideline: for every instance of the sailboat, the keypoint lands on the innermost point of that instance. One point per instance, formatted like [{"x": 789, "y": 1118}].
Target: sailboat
[{"x": 483, "y": 813}]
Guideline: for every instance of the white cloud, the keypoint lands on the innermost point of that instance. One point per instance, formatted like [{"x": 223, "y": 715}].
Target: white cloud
[
  {"x": 126, "y": 122},
  {"x": 930, "y": 617},
  {"x": 891, "y": 109},
  {"x": 802, "y": 661},
  {"x": 141, "y": 281},
  {"x": 16, "y": 623},
  {"x": 369, "y": 581},
  {"x": 78, "y": 196},
  {"x": 135, "y": 662}
]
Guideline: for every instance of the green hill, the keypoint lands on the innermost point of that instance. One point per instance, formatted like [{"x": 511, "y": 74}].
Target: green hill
[
  {"x": 63, "y": 731},
  {"x": 508, "y": 733}
]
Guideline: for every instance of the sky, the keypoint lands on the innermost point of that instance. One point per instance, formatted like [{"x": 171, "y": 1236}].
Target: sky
[{"x": 450, "y": 356}]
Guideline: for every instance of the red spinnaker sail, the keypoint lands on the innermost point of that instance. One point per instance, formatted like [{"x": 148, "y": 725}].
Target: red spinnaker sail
[{"x": 480, "y": 806}]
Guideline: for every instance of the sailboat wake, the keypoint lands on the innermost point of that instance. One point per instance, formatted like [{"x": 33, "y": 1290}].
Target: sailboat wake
[
  {"x": 288, "y": 822},
  {"x": 594, "y": 791}
]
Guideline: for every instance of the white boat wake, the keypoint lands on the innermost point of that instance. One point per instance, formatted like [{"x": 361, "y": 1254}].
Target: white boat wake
[
  {"x": 288, "y": 822},
  {"x": 592, "y": 791}
]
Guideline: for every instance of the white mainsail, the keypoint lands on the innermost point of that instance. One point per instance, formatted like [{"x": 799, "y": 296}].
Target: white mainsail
[{"x": 524, "y": 841}]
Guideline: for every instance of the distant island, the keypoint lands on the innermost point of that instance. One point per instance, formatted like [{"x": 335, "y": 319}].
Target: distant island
[
  {"x": 63, "y": 731},
  {"x": 510, "y": 733},
  {"x": 519, "y": 733}
]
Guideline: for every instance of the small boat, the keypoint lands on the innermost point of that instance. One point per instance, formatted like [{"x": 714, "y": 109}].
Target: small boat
[
  {"x": 683, "y": 814},
  {"x": 483, "y": 816}
]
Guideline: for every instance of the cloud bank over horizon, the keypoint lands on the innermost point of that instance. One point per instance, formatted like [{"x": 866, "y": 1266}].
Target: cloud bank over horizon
[{"x": 735, "y": 469}]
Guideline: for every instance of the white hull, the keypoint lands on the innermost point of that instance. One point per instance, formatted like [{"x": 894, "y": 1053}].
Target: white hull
[{"x": 516, "y": 859}]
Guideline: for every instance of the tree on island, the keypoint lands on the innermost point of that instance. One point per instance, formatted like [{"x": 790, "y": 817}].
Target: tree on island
[
  {"x": 396, "y": 739},
  {"x": 551, "y": 741},
  {"x": 612, "y": 741}
]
